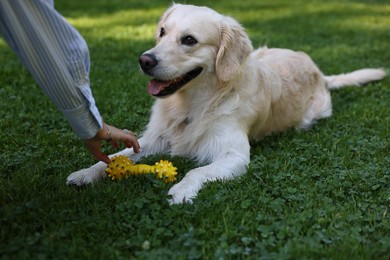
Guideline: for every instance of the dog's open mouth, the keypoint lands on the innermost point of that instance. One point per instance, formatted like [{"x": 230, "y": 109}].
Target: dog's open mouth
[{"x": 160, "y": 88}]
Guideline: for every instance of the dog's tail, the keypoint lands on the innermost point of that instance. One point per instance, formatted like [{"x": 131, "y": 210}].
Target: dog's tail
[{"x": 355, "y": 78}]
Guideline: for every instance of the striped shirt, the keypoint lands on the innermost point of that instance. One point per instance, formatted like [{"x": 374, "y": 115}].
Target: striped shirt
[{"x": 56, "y": 55}]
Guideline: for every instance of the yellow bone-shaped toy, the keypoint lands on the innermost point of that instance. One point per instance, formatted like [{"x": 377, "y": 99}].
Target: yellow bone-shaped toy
[{"x": 122, "y": 167}]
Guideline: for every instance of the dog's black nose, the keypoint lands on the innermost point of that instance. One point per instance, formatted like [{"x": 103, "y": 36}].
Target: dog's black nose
[{"x": 147, "y": 62}]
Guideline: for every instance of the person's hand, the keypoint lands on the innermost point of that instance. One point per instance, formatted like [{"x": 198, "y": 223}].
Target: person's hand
[{"x": 114, "y": 136}]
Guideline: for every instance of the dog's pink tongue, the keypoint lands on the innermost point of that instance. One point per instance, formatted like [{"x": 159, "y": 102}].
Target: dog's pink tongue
[{"x": 156, "y": 86}]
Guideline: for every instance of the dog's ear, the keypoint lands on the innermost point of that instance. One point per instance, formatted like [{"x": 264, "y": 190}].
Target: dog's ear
[{"x": 235, "y": 47}]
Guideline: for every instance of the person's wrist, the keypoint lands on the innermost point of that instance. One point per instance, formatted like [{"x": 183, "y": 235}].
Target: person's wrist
[
  {"x": 104, "y": 133},
  {"x": 108, "y": 132}
]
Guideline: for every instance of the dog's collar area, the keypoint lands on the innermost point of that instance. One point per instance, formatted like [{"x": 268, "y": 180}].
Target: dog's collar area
[{"x": 160, "y": 88}]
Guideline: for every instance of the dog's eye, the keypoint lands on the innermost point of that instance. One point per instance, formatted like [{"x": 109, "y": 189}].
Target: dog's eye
[
  {"x": 188, "y": 40},
  {"x": 162, "y": 32}
]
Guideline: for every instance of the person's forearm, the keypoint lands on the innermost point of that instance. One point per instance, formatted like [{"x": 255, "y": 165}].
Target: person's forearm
[{"x": 56, "y": 55}]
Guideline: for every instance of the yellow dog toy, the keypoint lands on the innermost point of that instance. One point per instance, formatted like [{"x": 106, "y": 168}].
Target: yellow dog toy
[{"x": 122, "y": 167}]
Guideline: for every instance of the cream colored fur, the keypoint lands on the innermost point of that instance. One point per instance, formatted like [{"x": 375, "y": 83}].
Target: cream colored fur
[{"x": 240, "y": 95}]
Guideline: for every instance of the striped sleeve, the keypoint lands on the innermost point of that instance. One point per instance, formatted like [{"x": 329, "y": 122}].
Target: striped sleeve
[{"x": 57, "y": 57}]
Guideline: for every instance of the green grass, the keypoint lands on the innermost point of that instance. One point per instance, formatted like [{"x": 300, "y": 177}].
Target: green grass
[{"x": 323, "y": 193}]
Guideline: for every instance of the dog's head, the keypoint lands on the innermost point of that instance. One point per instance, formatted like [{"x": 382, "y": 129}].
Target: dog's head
[{"x": 193, "y": 42}]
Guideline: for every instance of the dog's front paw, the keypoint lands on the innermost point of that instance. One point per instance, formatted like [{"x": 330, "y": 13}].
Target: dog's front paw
[
  {"x": 85, "y": 176},
  {"x": 185, "y": 191},
  {"x": 181, "y": 194}
]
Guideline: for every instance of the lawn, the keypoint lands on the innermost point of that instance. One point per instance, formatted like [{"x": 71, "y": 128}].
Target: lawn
[{"x": 323, "y": 193}]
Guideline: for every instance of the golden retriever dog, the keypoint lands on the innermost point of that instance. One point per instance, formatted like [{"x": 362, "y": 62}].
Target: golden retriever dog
[{"x": 214, "y": 93}]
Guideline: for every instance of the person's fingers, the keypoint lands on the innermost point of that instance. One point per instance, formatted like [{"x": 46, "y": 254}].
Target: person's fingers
[
  {"x": 126, "y": 137},
  {"x": 103, "y": 157},
  {"x": 114, "y": 136},
  {"x": 133, "y": 143},
  {"x": 93, "y": 147},
  {"x": 129, "y": 132},
  {"x": 114, "y": 144}
]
